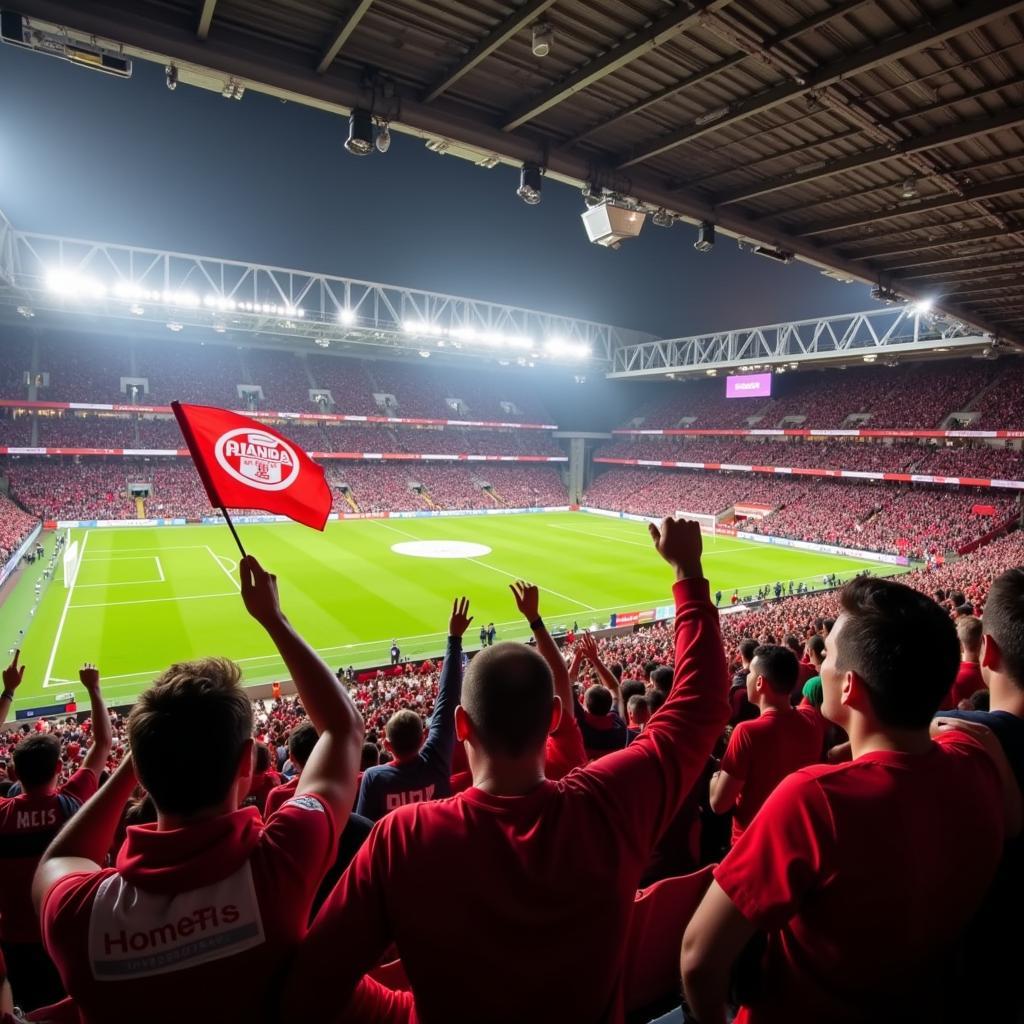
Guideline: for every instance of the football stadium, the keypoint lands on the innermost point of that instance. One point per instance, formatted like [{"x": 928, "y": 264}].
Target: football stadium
[{"x": 511, "y": 510}]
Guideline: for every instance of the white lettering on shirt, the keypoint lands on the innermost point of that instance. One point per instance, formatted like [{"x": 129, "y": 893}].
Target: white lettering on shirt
[
  {"x": 137, "y": 934},
  {"x": 36, "y": 819}
]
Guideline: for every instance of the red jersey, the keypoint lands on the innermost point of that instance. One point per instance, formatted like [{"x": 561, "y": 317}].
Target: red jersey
[
  {"x": 27, "y": 826},
  {"x": 261, "y": 786},
  {"x": 968, "y": 681},
  {"x": 277, "y": 796},
  {"x": 762, "y": 752},
  {"x": 863, "y": 874},
  {"x": 545, "y": 881},
  {"x": 192, "y": 923}
]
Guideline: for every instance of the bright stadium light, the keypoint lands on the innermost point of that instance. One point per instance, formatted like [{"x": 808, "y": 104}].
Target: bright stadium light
[
  {"x": 71, "y": 284},
  {"x": 560, "y": 347},
  {"x": 347, "y": 316},
  {"x": 923, "y": 307},
  {"x": 136, "y": 310},
  {"x": 173, "y": 325}
]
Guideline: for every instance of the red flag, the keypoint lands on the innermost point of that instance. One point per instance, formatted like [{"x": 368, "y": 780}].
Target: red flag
[{"x": 245, "y": 464}]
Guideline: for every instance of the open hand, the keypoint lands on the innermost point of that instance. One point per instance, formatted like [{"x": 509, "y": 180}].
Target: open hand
[
  {"x": 259, "y": 592},
  {"x": 13, "y": 674},
  {"x": 527, "y": 597},
  {"x": 679, "y": 542},
  {"x": 460, "y": 620},
  {"x": 89, "y": 676},
  {"x": 588, "y": 648}
]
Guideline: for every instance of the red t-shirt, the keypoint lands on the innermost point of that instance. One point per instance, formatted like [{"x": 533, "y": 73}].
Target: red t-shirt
[
  {"x": 192, "y": 923},
  {"x": 863, "y": 874},
  {"x": 762, "y": 752},
  {"x": 277, "y": 796},
  {"x": 469, "y": 885},
  {"x": 968, "y": 681},
  {"x": 261, "y": 786},
  {"x": 27, "y": 826}
]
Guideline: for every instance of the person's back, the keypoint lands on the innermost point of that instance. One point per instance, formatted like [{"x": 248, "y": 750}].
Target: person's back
[
  {"x": 519, "y": 875},
  {"x": 421, "y": 769},
  {"x": 201, "y": 910}
]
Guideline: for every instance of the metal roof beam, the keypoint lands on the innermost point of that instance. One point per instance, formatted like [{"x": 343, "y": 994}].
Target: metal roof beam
[
  {"x": 950, "y": 259},
  {"x": 625, "y": 51},
  {"x": 1002, "y": 187},
  {"x": 1012, "y": 117},
  {"x": 961, "y": 19},
  {"x": 345, "y": 29},
  {"x": 1014, "y": 264},
  {"x": 205, "y": 17},
  {"x": 496, "y": 38}
]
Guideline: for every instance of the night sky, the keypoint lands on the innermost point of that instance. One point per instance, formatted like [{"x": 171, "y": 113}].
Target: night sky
[{"x": 89, "y": 156}]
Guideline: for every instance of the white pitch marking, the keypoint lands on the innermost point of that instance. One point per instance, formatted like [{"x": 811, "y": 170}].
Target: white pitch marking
[
  {"x": 220, "y": 565},
  {"x": 64, "y": 614},
  {"x": 160, "y": 569}
]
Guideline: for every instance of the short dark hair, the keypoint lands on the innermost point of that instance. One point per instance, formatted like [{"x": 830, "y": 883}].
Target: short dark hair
[
  {"x": 649, "y": 667},
  {"x": 655, "y": 699},
  {"x": 204, "y": 702},
  {"x": 661, "y": 679},
  {"x": 1003, "y": 620},
  {"x": 598, "y": 699},
  {"x": 792, "y": 641},
  {"x": 301, "y": 741},
  {"x": 508, "y": 693},
  {"x": 636, "y": 702},
  {"x": 816, "y": 644},
  {"x": 902, "y": 645},
  {"x": 778, "y": 665},
  {"x": 747, "y": 648},
  {"x": 370, "y": 757},
  {"x": 404, "y": 731},
  {"x": 262, "y": 758},
  {"x": 36, "y": 759},
  {"x": 630, "y": 688}
]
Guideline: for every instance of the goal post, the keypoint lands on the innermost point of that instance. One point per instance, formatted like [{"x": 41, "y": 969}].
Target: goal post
[
  {"x": 708, "y": 521},
  {"x": 71, "y": 560}
]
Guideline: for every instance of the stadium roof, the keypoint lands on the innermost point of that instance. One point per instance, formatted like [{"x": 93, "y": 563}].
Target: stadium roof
[{"x": 879, "y": 140}]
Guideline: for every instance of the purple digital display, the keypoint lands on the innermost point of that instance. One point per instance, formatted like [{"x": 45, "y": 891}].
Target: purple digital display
[{"x": 749, "y": 385}]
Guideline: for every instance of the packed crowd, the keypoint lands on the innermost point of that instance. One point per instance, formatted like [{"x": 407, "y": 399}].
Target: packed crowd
[
  {"x": 15, "y": 526},
  {"x": 790, "y": 806}
]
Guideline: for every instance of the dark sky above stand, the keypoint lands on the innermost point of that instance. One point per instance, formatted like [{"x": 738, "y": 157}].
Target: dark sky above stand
[{"x": 89, "y": 156}]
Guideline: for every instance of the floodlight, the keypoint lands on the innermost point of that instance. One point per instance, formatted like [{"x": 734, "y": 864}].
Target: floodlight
[
  {"x": 360, "y": 133},
  {"x": 530, "y": 176},
  {"x": 705, "y": 237},
  {"x": 608, "y": 224}
]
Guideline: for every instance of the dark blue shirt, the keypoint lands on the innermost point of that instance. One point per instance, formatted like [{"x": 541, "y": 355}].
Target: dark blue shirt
[
  {"x": 427, "y": 776},
  {"x": 1009, "y": 730},
  {"x": 601, "y": 733}
]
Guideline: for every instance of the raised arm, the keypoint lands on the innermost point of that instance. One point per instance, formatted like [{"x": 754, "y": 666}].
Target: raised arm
[
  {"x": 645, "y": 784},
  {"x": 333, "y": 766},
  {"x": 82, "y": 844},
  {"x": 102, "y": 734},
  {"x": 441, "y": 738},
  {"x": 12, "y": 677},
  {"x": 588, "y": 645}
]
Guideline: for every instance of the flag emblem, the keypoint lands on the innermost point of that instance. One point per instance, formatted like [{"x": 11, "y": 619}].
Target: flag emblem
[{"x": 257, "y": 459}]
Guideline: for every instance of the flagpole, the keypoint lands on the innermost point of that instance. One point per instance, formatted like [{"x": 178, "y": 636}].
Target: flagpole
[{"x": 234, "y": 532}]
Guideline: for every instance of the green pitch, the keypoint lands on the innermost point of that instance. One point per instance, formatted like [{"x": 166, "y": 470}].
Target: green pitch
[{"x": 146, "y": 597}]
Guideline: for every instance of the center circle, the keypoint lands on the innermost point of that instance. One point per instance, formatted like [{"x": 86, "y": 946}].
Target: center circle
[{"x": 440, "y": 549}]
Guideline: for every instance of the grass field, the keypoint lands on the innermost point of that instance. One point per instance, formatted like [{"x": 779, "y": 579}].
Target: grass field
[{"x": 145, "y": 597}]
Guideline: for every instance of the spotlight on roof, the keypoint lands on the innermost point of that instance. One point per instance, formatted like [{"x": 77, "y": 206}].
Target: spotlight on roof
[
  {"x": 171, "y": 76},
  {"x": 173, "y": 325},
  {"x": 347, "y": 316},
  {"x": 530, "y": 184},
  {"x": 360, "y": 133},
  {"x": 608, "y": 224},
  {"x": 923, "y": 307},
  {"x": 592, "y": 194},
  {"x": 771, "y": 253},
  {"x": 27, "y": 312},
  {"x": 543, "y": 37},
  {"x": 705, "y": 237},
  {"x": 383, "y": 140},
  {"x": 886, "y": 295},
  {"x": 322, "y": 342},
  {"x": 424, "y": 353},
  {"x": 136, "y": 310},
  {"x": 909, "y": 190},
  {"x": 662, "y": 219}
]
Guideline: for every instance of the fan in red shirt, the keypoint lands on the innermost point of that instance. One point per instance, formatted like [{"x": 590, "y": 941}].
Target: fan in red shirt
[
  {"x": 523, "y": 874},
  {"x": 968, "y": 677},
  {"x": 841, "y": 868},
  {"x": 764, "y": 750},
  {"x": 28, "y": 822},
  {"x": 202, "y": 909},
  {"x": 264, "y": 778},
  {"x": 301, "y": 741}
]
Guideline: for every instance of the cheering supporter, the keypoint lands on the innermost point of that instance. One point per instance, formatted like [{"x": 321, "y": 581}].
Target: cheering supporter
[
  {"x": 15, "y": 526},
  {"x": 265, "y": 778},
  {"x": 301, "y": 742},
  {"x": 991, "y": 945},
  {"x": 421, "y": 768},
  {"x": 601, "y": 716},
  {"x": 797, "y": 875},
  {"x": 210, "y": 891},
  {"x": 764, "y": 750},
  {"x": 969, "y": 677},
  {"x": 28, "y": 822},
  {"x": 515, "y": 846}
]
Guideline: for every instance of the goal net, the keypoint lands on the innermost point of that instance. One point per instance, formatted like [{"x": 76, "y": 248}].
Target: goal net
[
  {"x": 72, "y": 560},
  {"x": 707, "y": 521}
]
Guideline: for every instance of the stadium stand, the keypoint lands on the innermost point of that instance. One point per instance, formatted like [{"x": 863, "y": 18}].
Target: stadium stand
[{"x": 15, "y": 526}]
